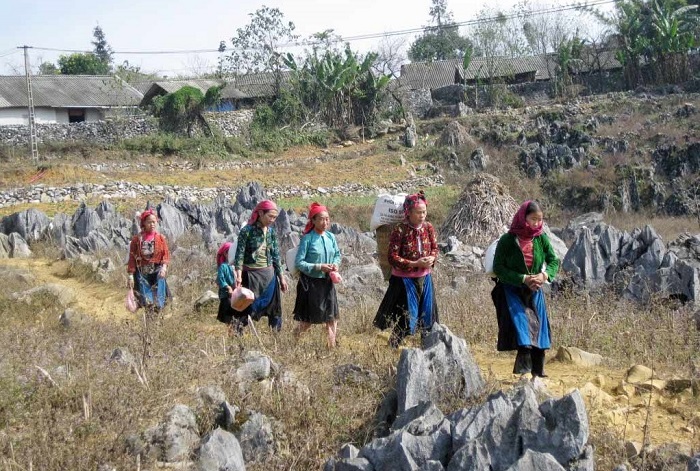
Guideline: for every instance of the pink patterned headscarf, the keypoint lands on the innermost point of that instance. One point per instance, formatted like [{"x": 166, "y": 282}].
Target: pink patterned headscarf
[
  {"x": 314, "y": 209},
  {"x": 264, "y": 205},
  {"x": 521, "y": 228},
  {"x": 222, "y": 254},
  {"x": 412, "y": 201},
  {"x": 144, "y": 215}
]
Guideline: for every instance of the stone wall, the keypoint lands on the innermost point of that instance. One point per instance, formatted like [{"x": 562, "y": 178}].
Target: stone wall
[
  {"x": 115, "y": 129},
  {"x": 232, "y": 123},
  {"x": 100, "y": 132}
]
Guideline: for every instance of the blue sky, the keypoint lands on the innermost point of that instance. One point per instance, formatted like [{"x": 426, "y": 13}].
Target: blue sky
[{"x": 177, "y": 24}]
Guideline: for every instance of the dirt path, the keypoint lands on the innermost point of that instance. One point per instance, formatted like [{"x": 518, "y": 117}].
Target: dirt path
[
  {"x": 93, "y": 298},
  {"x": 671, "y": 417}
]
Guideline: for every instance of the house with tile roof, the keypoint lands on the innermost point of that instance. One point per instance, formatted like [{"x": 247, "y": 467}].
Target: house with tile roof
[{"x": 65, "y": 98}]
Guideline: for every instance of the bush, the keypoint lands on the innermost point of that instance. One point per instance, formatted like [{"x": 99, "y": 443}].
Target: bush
[
  {"x": 171, "y": 144},
  {"x": 277, "y": 140}
]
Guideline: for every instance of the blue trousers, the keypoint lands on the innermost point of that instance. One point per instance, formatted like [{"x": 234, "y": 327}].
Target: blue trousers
[{"x": 150, "y": 289}]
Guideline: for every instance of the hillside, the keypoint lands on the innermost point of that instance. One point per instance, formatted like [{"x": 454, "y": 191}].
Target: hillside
[{"x": 68, "y": 401}]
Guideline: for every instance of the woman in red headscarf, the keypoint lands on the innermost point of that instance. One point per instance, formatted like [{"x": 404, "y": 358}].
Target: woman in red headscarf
[
  {"x": 519, "y": 265},
  {"x": 318, "y": 259},
  {"x": 258, "y": 268},
  {"x": 147, "y": 268},
  {"x": 409, "y": 302},
  {"x": 226, "y": 279}
]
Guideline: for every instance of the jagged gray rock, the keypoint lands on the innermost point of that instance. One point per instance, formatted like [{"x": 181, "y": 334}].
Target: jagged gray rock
[
  {"x": 63, "y": 295},
  {"x": 18, "y": 246},
  {"x": 255, "y": 367},
  {"x": 444, "y": 367},
  {"x": 29, "y": 224},
  {"x": 590, "y": 220},
  {"x": 694, "y": 463},
  {"x": 220, "y": 451},
  {"x": 257, "y": 438},
  {"x": 173, "y": 440},
  {"x": 600, "y": 255},
  {"x": 419, "y": 440},
  {"x": 173, "y": 224},
  {"x": 534, "y": 461},
  {"x": 122, "y": 357},
  {"x": 71, "y": 317}
]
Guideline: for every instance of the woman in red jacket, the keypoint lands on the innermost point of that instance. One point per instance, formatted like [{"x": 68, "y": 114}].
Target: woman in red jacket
[
  {"x": 147, "y": 268},
  {"x": 409, "y": 302}
]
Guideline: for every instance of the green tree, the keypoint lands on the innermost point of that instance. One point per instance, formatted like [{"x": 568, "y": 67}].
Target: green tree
[
  {"x": 180, "y": 111},
  {"x": 48, "y": 68},
  {"x": 82, "y": 64},
  {"x": 568, "y": 58},
  {"x": 132, "y": 73},
  {"x": 256, "y": 46},
  {"x": 101, "y": 49},
  {"x": 441, "y": 39},
  {"x": 339, "y": 87},
  {"x": 661, "y": 32}
]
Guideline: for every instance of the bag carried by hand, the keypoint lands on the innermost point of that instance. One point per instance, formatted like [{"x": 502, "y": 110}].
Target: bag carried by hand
[
  {"x": 131, "y": 304},
  {"x": 335, "y": 277},
  {"x": 241, "y": 298}
]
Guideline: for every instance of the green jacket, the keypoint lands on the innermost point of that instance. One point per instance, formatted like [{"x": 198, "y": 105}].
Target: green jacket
[
  {"x": 509, "y": 263},
  {"x": 250, "y": 238}
]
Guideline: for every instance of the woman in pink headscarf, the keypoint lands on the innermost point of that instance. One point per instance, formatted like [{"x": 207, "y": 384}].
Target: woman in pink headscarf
[
  {"x": 147, "y": 267},
  {"x": 409, "y": 303},
  {"x": 258, "y": 268},
  {"x": 318, "y": 259},
  {"x": 519, "y": 265},
  {"x": 226, "y": 279}
]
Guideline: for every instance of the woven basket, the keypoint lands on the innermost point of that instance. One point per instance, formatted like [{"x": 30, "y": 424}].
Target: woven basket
[{"x": 383, "y": 233}]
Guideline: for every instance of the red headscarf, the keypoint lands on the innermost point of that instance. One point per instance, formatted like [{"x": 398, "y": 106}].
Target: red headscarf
[
  {"x": 222, "y": 254},
  {"x": 314, "y": 209},
  {"x": 412, "y": 200},
  {"x": 146, "y": 213},
  {"x": 264, "y": 205},
  {"x": 519, "y": 226}
]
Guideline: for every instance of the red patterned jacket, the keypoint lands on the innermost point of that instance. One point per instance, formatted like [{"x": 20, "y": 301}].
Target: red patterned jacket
[{"x": 404, "y": 246}]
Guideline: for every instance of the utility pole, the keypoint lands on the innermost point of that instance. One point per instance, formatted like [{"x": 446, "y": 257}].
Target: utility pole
[{"x": 30, "y": 106}]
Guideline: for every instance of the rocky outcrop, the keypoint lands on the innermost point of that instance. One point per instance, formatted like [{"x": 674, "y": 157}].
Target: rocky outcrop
[
  {"x": 509, "y": 431},
  {"x": 638, "y": 263}
]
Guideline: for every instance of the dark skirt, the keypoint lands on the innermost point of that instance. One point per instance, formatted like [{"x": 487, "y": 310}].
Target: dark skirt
[
  {"x": 317, "y": 302},
  {"x": 226, "y": 312},
  {"x": 259, "y": 282},
  {"x": 522, "y": 318},
  {"x": 393, "y": 309}
]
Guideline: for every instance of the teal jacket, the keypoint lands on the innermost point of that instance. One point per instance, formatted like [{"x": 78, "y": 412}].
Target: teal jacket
[
  {"x": 509, "y": 263},
  {"x": 315, "y": 249},
  {"x": 225, "y": 277}
]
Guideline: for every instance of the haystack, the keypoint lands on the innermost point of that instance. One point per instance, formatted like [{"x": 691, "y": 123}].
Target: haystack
[
  {"x": 455, "y": 135},
  {"x": 483, "y": 212}
]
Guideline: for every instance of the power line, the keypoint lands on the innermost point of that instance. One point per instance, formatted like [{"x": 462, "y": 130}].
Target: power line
[
  {"x": 8, "y": 53},
  {"x": 361, "y": 37}
]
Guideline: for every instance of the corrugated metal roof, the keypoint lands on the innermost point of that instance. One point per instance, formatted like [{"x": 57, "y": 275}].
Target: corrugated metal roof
[
  {"x": 258, "y": 85},
  {"x": 481, "y": 67},
  {"x": 142, "y": 86},
  {"x": 429, "y": 75},
  {"x": 68, "y": 91}
]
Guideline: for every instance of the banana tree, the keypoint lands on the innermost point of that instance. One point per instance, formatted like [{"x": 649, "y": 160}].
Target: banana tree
[{"x": 675, "y": 31}]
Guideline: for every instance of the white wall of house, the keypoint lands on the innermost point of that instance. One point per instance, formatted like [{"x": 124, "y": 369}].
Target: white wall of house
[{"x": 18, "y": 116}]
